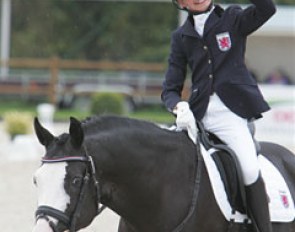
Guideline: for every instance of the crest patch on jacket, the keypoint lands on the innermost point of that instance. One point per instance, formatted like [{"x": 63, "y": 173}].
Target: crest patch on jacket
[{"x": 223, "y": 41}]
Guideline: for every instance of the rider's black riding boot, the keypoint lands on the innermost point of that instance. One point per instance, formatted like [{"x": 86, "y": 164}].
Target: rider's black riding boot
[{"x": 258, "y": 205}]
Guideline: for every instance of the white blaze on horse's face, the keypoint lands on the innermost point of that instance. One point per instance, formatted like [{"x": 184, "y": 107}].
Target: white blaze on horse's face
[
  {"x": 42, "y": 226},
  {"x": 50, "y": 186}
]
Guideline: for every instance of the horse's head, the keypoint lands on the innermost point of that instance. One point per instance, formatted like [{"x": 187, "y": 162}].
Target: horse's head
[{"x": 65, "y": 181}]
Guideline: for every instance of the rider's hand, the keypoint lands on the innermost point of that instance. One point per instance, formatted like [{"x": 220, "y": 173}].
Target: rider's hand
[{"x": 185, "y": 119}]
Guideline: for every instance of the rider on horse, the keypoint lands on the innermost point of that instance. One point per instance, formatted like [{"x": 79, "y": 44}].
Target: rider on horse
[{"x": 225, "y": 97}]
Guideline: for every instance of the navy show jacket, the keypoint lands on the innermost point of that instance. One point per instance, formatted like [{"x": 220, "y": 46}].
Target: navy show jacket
[{"x": 216, "y": 61}]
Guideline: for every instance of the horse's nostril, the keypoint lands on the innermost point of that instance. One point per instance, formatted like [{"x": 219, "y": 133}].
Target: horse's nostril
[{"x": 34, "y": 181}]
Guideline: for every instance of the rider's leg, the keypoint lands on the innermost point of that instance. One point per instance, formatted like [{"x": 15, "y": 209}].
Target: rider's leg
[
  {"x": 233, "y": 130},
  {"x": 258, "y": 205}
]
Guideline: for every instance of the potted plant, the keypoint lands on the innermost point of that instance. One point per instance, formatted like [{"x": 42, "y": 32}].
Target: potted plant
[{"x": 18, "y": 123}]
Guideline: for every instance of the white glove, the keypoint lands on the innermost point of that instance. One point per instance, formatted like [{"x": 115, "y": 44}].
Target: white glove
[{"x": 185, "y": 119}]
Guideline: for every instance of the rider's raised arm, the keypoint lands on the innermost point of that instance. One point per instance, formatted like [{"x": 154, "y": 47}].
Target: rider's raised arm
[{"x": 254, "y": 16}]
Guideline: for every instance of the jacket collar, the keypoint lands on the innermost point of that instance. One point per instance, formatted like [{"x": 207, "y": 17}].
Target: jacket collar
[{"x": 188, "y": 27}]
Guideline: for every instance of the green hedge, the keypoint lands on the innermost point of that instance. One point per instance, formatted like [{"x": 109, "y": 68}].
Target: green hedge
[{"x": 107, "y": 103}]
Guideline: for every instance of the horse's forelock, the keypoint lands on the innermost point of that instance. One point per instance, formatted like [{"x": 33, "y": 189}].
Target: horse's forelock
[
  {"x": 55, "y": 148},
  {"x": 61, "y": 140}
]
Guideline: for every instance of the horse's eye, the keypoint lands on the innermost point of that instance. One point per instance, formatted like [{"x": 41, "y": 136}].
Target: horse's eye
[{"x": 77, "y": 181}]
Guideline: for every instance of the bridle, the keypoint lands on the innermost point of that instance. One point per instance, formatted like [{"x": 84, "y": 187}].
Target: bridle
[{"x": 45, "y": 212}]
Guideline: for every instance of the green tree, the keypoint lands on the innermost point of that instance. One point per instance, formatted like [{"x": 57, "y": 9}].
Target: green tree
[
  {"x": 92, "y": 30},
  {"x": 95, "y": 30}
]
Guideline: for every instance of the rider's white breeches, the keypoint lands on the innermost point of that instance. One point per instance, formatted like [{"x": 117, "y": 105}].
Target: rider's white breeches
[{"x": 234, "y": 131}]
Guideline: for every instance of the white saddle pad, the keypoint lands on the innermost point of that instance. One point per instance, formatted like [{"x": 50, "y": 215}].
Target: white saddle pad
[{"x": 281, "y": 204}]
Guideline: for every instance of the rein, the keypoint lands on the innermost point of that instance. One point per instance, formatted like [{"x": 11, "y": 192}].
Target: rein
[
  {"x": 197, "y": 181},
  {"x": 46, "y": 211}
]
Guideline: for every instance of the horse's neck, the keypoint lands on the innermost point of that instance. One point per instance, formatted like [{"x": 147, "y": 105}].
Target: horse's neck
[{"x": 137, "y": 173}]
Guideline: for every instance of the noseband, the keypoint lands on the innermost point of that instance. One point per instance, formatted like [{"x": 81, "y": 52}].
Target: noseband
[{"x": 45, "y": 212}]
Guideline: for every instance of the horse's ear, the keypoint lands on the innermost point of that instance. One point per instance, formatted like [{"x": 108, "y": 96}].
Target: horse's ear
[
  {"x": 43, "y": 135},
  {"x": 76, "y": 132}
]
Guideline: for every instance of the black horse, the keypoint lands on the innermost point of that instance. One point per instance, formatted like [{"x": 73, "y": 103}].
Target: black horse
[{"x": 146, "y": 174}]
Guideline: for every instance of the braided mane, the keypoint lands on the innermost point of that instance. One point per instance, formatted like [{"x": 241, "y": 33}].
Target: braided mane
[{"x": 108, "y": 123}]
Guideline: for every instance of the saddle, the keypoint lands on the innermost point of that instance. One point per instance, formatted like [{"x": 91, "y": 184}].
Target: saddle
[
  {"x": 227, "y": 183},
  {"x": 229, "y": 168}
]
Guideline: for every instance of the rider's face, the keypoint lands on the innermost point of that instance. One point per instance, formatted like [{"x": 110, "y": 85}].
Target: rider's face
[{"x": 195, "y": 5}]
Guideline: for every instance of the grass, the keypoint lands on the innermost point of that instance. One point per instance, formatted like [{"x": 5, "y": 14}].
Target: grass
[
  {"x": 15, "y": 106},
  {"x": 155, "y": 114}
]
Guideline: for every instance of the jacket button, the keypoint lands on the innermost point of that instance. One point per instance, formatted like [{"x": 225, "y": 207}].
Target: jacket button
[
  {"x": 205, "y": 47},
  {"x": 209, "y": 61},
  {"x": 210, "y": 76}
]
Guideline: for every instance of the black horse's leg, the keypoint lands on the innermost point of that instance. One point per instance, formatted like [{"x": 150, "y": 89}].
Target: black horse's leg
[{"x": 125, "y": 226}]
